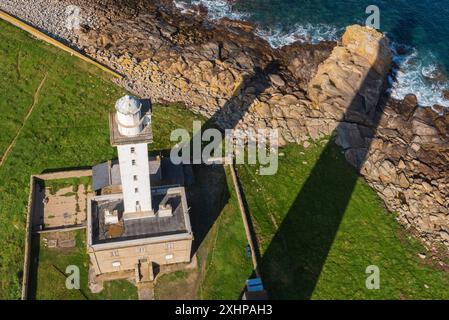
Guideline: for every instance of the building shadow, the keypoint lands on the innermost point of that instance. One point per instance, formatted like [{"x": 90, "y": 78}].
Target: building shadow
[
  {"x": 64, "y": 169},
  {"x": 210, "y": 182},
  {"x": 209, "y": 194},
  {"x": 33, "y": 266},
  {"x": 292, "y": 263}
]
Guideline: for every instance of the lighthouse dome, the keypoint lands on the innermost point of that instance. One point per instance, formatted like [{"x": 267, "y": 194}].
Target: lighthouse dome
[{"x": 128, "y": 105}]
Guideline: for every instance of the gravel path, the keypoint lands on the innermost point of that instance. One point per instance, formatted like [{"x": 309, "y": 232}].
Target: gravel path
[{"x": 50, "y": 16}]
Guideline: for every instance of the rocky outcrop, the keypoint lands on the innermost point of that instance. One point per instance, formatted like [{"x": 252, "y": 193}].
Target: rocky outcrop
[
  {"x": 407, "y": 165},
  {"x": 402, "y": 150},
  {"x": 225, "y": 72},
  {"x": 348, "y": 85}
]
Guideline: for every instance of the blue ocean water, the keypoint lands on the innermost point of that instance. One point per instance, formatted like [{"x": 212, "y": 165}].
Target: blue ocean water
[{"x": 418, "y": 30}]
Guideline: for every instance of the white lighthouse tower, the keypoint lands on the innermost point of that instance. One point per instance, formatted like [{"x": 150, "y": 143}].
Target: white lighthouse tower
[{"x": 130, "y": 133}]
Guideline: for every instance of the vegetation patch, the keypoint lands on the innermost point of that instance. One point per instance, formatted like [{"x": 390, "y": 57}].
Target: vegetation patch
[
  {"x": 57, "y": 184},
  {"x": 68, "y": 129},
  {"x": 320, "y": 226},
  {"x": 51, "y": 276}
]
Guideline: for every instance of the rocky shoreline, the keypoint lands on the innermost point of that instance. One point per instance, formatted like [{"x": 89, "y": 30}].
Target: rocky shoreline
[{"x": 222, "y": 70}]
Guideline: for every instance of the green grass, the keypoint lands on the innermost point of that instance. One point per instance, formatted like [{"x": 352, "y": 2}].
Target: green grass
[
  {"x": 68, "y": 129},
  {"x": 320, "y": 226},
  {"x": 227, "y": 260},
  {"x": 317, "y": 246},
  {"x": 51, "y": 276},
  {"x": 57, "y": 184}
]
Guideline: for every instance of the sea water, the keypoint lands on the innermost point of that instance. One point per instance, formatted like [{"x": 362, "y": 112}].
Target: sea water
[{"x": 418, "y": 30}]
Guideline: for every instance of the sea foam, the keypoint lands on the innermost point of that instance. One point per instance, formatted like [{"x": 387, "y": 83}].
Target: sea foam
[
  {"x": 218, "y": 9},
  {"x": 415, "y": 72},
  {"x": 278, "y": 37}
]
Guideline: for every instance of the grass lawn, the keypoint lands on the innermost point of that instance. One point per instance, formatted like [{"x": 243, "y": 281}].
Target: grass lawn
[
  {"x": 51, "y": 274},
  {"x": 67, "y": 129},
  {"x": 228, "y": 259},
  {"x": 56, "y": 184},
  {"x": 320, "y": 226}
]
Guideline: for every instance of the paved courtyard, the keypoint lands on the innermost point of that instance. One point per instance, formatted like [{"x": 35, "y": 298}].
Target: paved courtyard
[{"x": 64, "y": 208}]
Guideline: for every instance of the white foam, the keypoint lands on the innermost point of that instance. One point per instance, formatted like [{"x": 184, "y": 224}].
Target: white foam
[
  {"x": 418, "y": 74},
  {"x": 183, "y": 6},
  {"x": 218, "y": 9},
  {"x": 412, "y": 76},
  {"x": 279, "y": 37}
]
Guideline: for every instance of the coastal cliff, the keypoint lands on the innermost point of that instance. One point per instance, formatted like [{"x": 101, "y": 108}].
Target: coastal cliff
[{"x": 222, "y": 70}]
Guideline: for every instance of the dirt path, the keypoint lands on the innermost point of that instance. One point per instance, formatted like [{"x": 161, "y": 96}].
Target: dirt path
[
  {"x": 145, "y": 291},
  {"x": 30, "y": 111}
]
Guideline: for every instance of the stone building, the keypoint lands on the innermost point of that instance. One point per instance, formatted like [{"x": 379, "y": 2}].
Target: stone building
[{"x": 132, "y": 224}]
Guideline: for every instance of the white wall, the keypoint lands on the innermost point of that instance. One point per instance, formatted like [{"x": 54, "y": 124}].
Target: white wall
[{"x": 141, "y": 170}]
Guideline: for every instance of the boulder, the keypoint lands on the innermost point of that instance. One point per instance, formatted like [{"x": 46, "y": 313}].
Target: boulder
[
  {"x": 352, "y": 78},
  {"x": 277, "y": 80},
  {"x": 408, "y": 105},
  {"x": 369, "y": 44}
]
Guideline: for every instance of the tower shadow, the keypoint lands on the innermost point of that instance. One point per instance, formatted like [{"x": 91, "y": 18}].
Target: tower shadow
[
  {"x": 292, "y": 263},
  {"x": 204, "y": 209}
]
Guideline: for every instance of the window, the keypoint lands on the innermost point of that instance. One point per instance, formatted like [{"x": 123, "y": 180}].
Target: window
[
  {"x": 135, "y": 178},
  {"x": 169, "y": 245},
  {"x": 116, "y": 264},
  {"x": 133, "y": 150},
  {"x": 142, "y": 249},
  {"x": 114, "y": 253},
  {"x": 133, "y": 162},
  {"x": 136, "y": 190}
]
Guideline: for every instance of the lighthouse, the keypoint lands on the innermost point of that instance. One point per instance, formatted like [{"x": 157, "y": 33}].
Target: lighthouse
[
  {"x": 131, "y": 225},
  {"x": 130, "y": 132}
]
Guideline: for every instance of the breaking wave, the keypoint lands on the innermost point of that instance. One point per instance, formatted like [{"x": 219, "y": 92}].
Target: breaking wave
[
  {"x": 279, "y": 37},
  {"x": 218, "y": 9},
  {"x": 417, "y": 73},
  {"x": 413, "y": 73}
]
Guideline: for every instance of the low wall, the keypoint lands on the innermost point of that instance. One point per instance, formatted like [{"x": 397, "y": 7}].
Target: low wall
[
  {"x": 31, "y": 200},
  {"x": 42, "y": 36}
]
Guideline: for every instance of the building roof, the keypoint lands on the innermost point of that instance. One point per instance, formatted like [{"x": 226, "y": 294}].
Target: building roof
[
  {"x": 162, "y": 172},
  {"x": 101, "y": 176},
  {"x": 150, "y": 227},
  {"x": 128, "y": 105},
  {"x": 116, "y": 138}
]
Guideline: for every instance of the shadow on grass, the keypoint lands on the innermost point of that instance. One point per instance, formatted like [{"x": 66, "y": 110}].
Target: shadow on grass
[
  {"x": 292, "y": 263},
  {"x": 230, "y": 114},
  {"x": 33, "y": 267}
]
